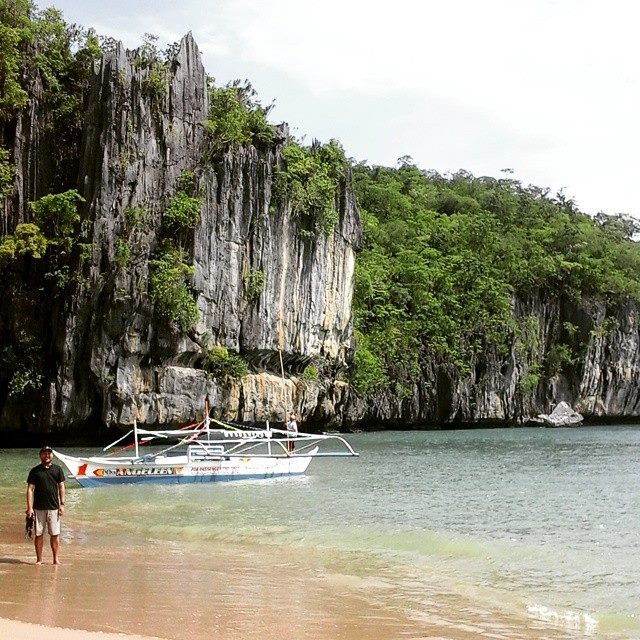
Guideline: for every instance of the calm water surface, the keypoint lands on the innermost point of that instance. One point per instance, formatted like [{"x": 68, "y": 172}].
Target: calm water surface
[{"x": 541, "y": 523}]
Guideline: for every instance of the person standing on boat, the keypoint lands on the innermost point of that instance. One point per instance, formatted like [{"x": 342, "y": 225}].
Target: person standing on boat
[
  {"x": 292, "y": 431},
  {"x": 45, "y": 501}
]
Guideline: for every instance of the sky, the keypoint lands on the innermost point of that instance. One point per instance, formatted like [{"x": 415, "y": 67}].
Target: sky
[{"x": 549, "y": 89}]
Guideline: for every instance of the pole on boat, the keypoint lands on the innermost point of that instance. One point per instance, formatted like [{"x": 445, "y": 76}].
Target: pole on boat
[
  {"x": 268, "y": 438},
  {"x": 206, "y": 418},
  {"x": 135, "y": 436},
  {"x": 284, "y": 400}
]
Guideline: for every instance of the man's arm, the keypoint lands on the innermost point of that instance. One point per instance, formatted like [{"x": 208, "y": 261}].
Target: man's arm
[
  {"x": 30, "y": 489},
  {"x": 61, "y": 495}
]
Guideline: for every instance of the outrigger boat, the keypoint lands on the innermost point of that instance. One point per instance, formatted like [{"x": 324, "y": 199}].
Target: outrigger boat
[{"x": 203, "y": 454}]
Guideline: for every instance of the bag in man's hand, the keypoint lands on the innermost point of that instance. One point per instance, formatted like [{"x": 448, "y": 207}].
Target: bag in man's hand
[{"x": 29, "y": 524}]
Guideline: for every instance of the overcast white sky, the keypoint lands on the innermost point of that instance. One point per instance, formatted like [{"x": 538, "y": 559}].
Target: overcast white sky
[{"x": 548, "y": 88}]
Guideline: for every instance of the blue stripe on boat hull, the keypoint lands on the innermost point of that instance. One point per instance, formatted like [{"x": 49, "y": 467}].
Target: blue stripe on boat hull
[{"x": 95, "y": 482}]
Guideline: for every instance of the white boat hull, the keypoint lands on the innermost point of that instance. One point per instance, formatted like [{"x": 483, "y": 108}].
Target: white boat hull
[{"x": 95, "y": 472}]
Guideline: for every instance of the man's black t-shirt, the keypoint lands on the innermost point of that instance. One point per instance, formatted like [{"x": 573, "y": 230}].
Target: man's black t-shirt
[{"x": 46, "y": 481}]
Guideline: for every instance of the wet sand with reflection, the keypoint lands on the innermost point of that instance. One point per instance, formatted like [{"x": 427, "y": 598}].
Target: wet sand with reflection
[{"x": 231, "y": 592}]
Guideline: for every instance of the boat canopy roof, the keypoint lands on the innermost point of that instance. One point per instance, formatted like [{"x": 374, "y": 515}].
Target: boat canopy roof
[{"x": 217, "y": 434}]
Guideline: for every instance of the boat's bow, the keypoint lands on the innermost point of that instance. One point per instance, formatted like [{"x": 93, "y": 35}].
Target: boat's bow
[{"x": 74, "y": 465}]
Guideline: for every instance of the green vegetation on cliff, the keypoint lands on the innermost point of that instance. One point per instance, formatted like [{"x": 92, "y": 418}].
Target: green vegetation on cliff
[
  {"x": 169, "y": 278},
  {"x": 51, "y": 235},
  {"x": 443, "y": 256},
  {"x": 236, "y": 116},
  {"x": 218, "y": 362},
  {"x": 183, "y": 210},
  {"x": 45, "y": 65},
  {"x": 39, "y": 43},
  {"x": 309, "y": 180},
  {"x": 16, "y": 32}
]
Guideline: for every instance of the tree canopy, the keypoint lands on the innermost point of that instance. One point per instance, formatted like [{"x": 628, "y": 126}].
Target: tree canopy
[{"x": 443, "y": 257}]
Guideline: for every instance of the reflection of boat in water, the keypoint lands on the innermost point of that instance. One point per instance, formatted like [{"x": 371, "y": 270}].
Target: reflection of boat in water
[{"x": 203, "y": 454}]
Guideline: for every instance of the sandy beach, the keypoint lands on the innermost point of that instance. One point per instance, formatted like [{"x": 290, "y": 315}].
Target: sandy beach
[
  {"x": 172, "y": 595},
  {"x": 26, "y": 631},
  {"x": 235, "y": 595},
  {"x": 166, "y": 594}
]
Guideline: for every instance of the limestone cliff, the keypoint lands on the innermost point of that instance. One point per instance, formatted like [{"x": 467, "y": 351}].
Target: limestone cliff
[
  {"x": 111, "y": 360},
  {"x": 106, "y": 359},
  {"x": 598, "y": 371}
]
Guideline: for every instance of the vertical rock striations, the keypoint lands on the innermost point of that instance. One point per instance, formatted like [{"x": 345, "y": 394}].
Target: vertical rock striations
[{"x": 116, "y": 362}]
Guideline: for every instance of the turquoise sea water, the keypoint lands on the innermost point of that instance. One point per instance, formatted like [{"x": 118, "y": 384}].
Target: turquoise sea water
[{"x": 541, "y": 523}]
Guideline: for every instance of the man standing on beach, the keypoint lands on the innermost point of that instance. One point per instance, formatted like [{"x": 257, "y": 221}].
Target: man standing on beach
[{"x": 45, "y": 500}]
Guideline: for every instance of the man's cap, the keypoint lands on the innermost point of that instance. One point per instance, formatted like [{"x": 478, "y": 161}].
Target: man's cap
[{"x": 46, "y": 448}]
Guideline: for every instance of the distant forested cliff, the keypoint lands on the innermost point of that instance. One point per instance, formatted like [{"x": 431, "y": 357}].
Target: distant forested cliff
[{"x": 162, "y": 243}]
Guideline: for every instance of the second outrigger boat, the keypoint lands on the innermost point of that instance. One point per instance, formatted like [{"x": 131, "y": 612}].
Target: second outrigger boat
[{"x": 202, "y": 454}]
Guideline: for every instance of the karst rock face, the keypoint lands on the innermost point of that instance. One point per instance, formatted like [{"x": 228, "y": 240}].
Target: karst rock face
[
  {"x": 598, "y": 377},
  {"x": 108, "y": 358},
  {"x": 113, "y": 361}
]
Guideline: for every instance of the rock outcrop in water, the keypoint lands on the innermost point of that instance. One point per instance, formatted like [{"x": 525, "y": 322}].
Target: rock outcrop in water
[
  {"x": 562, "y": 416},
  {"x": 107, "y": 360}
]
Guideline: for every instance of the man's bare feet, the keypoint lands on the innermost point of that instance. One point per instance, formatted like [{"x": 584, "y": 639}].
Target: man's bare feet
[{"x": 38, "y": 561}]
